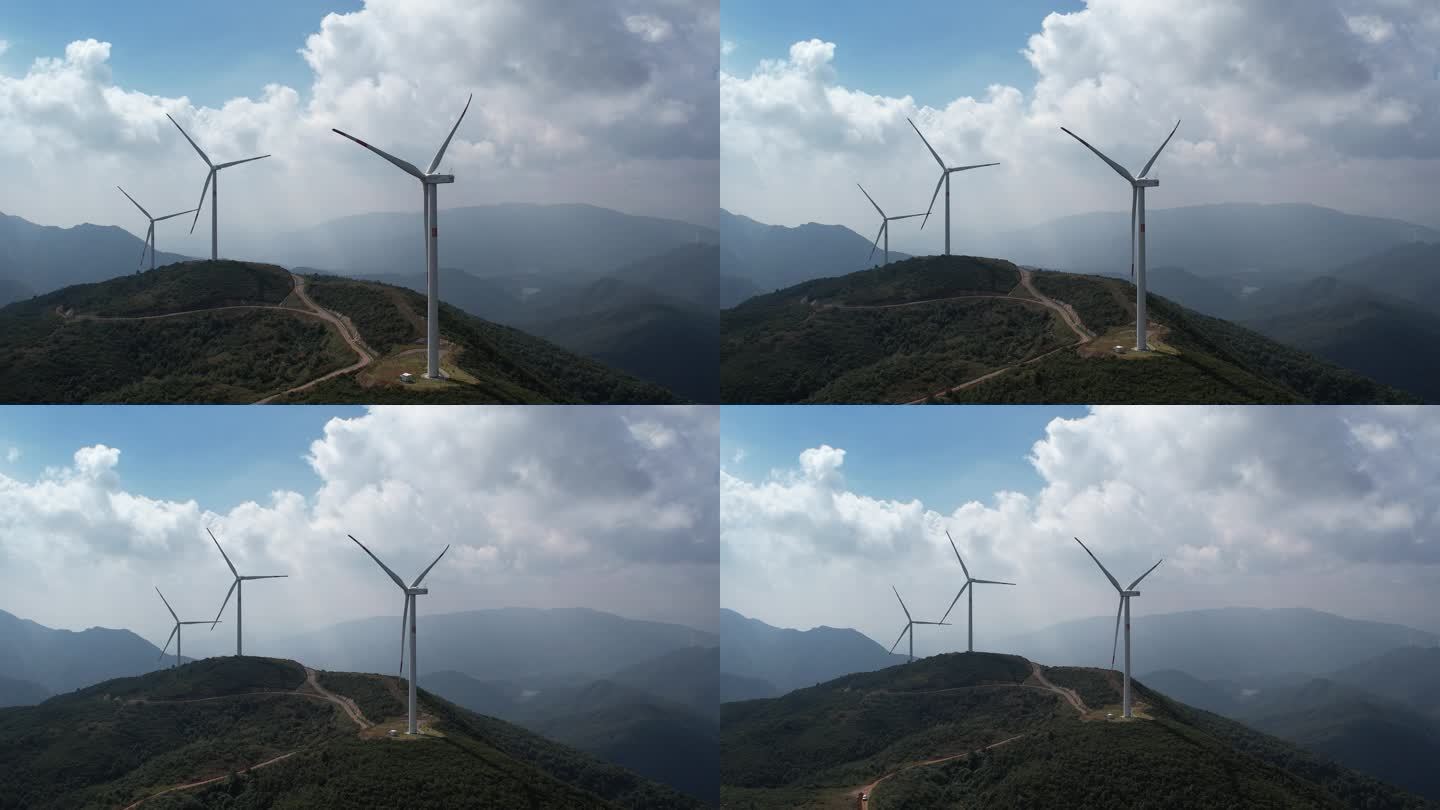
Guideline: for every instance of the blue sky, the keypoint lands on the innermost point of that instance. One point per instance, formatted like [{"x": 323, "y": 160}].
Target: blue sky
[
  {"x": 210, "y": 52},
  {"x": 219, "y": 456},
  {"x": 935, "y": 50},
  {"x": 943, "y": 456}
]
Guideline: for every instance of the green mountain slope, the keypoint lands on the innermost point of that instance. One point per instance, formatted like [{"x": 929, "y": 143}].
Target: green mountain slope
[
  {"x": 963, "y": 329},
  {"x": 234, "y": 332},
  {"x": 120, "y": 741},
  {"x": 987, "y": 730}
]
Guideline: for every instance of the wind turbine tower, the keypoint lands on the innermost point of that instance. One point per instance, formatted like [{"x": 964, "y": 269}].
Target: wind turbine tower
[
  {"x": 969, "y": 580},
  {"x": 428, "y": 181},
  {"x": 1137, "y": 213},
  {"x": 237, "y": 589},
  {"x": 1124, "y": 607},
  {"x": 411, "y": 591},
  {"x": 909, "y": 626},
  {"x": 884, "y": 225},
  {"x": 212, "y": 184},
  {"x": 945, "y": 172},
  {"x": 150, "y": 232},
  {"x": 175, "y": 633}
]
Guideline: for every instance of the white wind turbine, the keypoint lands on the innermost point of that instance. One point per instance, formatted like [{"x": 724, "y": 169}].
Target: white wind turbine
[
  {"x": 884, "y": 225},
  {"x": 969, "y": 580},
  {"x": 1137, "y": 213},
  {"x": 945, "y": 172},
  {"x": 909, "y": 626},
  {"x": 428, "y": 181},
  {"x": 212, "y": 184},
  {"x": 174, "y": 634},
  {"x": 411, "y": 591},
  {"x": 150, "y": 232},
  {"x": 1124, "y": 607},
  {"x": 238, "y": 591}
]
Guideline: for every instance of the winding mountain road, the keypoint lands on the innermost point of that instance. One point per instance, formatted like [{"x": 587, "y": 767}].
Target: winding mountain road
[
  {"x": 315, "y": 691},
  {"x": 342, "y": 325},
  {"x": 1037, "y": 673}
]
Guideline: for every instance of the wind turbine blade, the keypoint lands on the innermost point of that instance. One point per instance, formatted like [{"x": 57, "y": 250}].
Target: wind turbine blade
[
  {"x": 1115, "y": 645},
  {"x": 416, "y": 583},
  {"x": 222, "y": 552},
  {"x": 132, "y": 199},
  {"x": 166, "y": 649},
  {"x": 233, "y": 586},
  {"x": 268, "y": 576},
  {"x": 878, "y": 234},
  {"x": 201, "y": 152},
  {"x": 1146, "y": 170},
  {"x": 1116, "y": 166},
  {"x": 909, "y": 216},
  {"x": 968, "y": 168},
  {"x": 1097, "y": 562},
  {"x": 902, "y": 604},
  {"x": 957, "y": 599},
  {"x": 238, "y": 162},
  {"x": 408, "y": 167},
  {"x": 1134, "y": 196},
  {"x": 149, "y": 232},
  {"x": 179, "y": 214},
  {"x": 438, "y": 155},
  {"x": 927, "y": 144},
  {"x": 167, "y": 605},
  {"x": 933, "y": 197},
  {"x": 993, "y": 582},
  {"x": 201, "y": 206},
  {"x": 871, "y": 199},
  {"x": 397, "y": 579},
  {"x": 957, "y": 555},
  {"x": 404, "y": 617},
  {"x": 892, "y": 646},
  {"x": 1142, "y": 576},
  {"x": 929, "y": 622}
]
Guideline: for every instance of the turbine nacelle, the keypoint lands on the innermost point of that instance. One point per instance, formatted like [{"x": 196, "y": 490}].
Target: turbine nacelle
[
  {"x": 437, "y": 179},
  {"x": 1147, "y": 182},
  {"x": 416, "y": 591}
]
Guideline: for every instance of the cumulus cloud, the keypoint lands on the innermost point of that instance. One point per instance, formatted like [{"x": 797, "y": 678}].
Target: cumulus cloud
[
  {"x": 542, "y": 507},
  {"x": 1285, "y": 101},
  {"x": 612, "y": 96},
  {"x": 1245, "y": 504}
]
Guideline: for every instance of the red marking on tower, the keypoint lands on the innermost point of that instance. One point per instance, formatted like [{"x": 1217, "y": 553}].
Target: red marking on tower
[
  {"x": 434, "y": 232},
  {"x": 1142, "y": 227}
]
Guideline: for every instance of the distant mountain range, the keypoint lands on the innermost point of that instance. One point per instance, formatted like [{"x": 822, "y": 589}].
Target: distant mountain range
[
  {"x": 762, "y": 656},
  {"x": 36, "y": 660},
  {"x": 39, "y": 258},
  {"x": 509, "y": 239},
  {"x": 1379, "y": 715},
  {"x": 764, "y": 258},
  {"x": 656, "y": 717},
  {"x": 655, "y": 318}
]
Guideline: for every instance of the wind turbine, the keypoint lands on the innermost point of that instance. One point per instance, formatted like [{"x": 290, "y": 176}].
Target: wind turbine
[
  {"x": 212, "y": 183},
  {"x": 235, "y": 588},
  {"x": 969, "y": 580},
  {"x": 150, "y": 233},
  {"x": 174, "y": 634},
  {"x": 411, "y": 591},
  {"x": 909, "y": 626},
  {"x": 1137, "y": 210},
  {"x": 428, "y": 181},
  {"x": 945, "y": 172},
  {"x": 884, "y": 226},
  {"x": 1124, "y": 607}
]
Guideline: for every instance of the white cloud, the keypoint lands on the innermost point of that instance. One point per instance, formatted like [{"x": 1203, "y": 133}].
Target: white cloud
[
  {"x": 561, "y": 89},
  {"x": 726, "y": 47},
  {"x": 12, "y": 455},
  {"x": 1281, "y": 101},
  {"x": 1248, "y": 505},
  {"x": 544, "y": 507}
]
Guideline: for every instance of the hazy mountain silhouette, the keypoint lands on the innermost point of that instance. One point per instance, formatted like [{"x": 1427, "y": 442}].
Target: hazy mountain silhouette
[
  {"x": 39, "y": 258},
  {"x": 773, "y": 257},
  {"x": 63, "y": 660},
  {"x": 789, "y": 659}
]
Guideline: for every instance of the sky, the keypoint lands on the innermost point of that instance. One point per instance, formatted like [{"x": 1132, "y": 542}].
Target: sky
[
  {"x": 611, "y": 103},
  {"x": 1329, "y": 508},
  {"x": 1327, "y": 102},
  {"x": 610, "y": 508}
]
